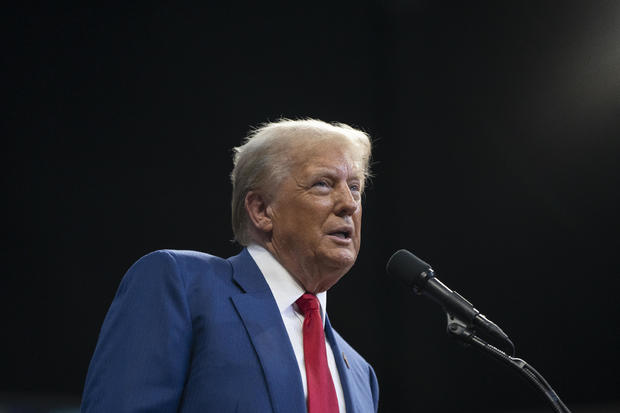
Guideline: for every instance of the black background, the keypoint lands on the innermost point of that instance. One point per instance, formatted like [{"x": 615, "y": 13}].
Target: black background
[{"x": 496, "y": 129}]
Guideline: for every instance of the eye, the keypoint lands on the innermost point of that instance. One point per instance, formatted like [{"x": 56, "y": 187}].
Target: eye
[
  {"x": 355, "y": 187},
  {"x": 321, "y": 183}
]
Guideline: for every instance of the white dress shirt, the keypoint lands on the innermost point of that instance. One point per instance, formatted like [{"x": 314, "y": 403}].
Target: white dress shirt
[{"x": 286, "y": 290}]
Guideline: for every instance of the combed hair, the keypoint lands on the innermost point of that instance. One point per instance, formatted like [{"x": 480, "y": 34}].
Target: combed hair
[{"x": 264, "y": 159}]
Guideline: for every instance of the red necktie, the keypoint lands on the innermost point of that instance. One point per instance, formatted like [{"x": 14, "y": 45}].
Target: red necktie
[{"x": 321, "y": 391}]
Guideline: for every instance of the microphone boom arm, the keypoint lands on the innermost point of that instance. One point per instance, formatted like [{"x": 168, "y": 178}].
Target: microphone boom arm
[
  {"x": 456, "y": 306},
  {"x": 460, "y": 330},
  {"x": 465, "y": 322}
]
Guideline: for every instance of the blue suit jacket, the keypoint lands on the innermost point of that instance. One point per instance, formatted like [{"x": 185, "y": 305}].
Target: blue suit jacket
[{"x": 191, "y": 332}]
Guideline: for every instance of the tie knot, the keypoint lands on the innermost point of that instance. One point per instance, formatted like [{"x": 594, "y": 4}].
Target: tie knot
[{"x": 308, "y": 303}]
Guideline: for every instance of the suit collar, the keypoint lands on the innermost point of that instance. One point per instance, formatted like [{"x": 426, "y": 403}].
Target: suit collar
[
  {"x": 261, "y": 318},
  {"x": 246, "y": 273},
  {"x": 344, "y": 369},
  {"x": 263, "y": 322},
  {"x": 284, "y": 287}
]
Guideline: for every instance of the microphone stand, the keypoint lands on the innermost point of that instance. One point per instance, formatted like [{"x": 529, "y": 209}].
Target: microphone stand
[{"x": 464, "y": 332}]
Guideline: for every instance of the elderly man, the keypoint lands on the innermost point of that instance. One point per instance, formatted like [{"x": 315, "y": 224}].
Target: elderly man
[{"x": 191, "y": 332}]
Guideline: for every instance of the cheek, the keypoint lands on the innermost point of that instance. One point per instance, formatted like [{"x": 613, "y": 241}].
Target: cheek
[
  {"x": 357, "y": 218},
  {"x": 315, "y": 213}
]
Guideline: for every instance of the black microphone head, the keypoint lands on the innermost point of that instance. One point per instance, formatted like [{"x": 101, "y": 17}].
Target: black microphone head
[{"x": 409, "y": 269}]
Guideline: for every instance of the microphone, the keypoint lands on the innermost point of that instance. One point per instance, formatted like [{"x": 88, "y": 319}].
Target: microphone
[{"x": 419, "y": 275}]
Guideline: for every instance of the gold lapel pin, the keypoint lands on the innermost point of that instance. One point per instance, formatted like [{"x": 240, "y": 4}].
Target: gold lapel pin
[{"x": 345, "y": 360}]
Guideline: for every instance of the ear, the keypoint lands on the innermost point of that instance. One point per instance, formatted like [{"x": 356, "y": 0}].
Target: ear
[{"x": 259, "y": 211}]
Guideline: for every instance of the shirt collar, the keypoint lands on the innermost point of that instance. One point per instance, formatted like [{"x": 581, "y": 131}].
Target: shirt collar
[{"x": 285, "y": 289}]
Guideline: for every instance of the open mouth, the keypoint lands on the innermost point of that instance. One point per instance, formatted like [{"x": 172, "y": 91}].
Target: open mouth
[{"x": 341, "y": 234}]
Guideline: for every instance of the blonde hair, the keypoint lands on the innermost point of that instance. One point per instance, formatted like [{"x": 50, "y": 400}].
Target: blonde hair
[{"x": 265, "y": 158}]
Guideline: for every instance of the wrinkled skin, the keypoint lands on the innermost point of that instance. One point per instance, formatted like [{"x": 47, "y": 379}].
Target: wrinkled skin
[{"x": 312, "y": 224}]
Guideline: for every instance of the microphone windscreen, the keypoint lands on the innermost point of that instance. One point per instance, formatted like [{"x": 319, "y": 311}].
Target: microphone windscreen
[{"x": 408, "y": 268}]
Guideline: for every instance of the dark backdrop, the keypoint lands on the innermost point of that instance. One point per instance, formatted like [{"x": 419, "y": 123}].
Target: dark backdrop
[{"x": 496, "y": 142}]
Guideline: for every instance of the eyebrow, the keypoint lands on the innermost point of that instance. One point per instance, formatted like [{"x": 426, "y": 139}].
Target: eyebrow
[{"x": 325, "y": 170}]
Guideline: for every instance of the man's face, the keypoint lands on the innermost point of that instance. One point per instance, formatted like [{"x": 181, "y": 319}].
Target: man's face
[{"x": 316, "y": 215}]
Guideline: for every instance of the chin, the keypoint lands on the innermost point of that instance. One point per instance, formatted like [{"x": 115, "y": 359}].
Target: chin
[{"x": 343, "y": 261}]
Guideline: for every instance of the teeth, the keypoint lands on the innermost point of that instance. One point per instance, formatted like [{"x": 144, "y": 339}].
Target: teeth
[{"x": 342, "y": 235}]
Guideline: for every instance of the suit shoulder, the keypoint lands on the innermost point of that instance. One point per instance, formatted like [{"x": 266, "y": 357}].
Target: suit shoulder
[
  {"x": 183, "y": 264},
  {"x": 181, "y": 258},
  {"x": 195, "y": 263},
  {"x": 188, "y": 256}
]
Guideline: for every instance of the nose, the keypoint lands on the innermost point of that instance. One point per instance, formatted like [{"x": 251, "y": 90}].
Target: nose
[{"x": 346, "y": 203}]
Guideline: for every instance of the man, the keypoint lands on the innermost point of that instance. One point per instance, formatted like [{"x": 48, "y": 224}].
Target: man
[{"x": 191, "y": 332}]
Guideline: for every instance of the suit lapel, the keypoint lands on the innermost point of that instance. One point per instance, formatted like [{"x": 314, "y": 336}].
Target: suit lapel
[
  {"x": 263, "y": 322},
  {"x": 343, "y": 370}
]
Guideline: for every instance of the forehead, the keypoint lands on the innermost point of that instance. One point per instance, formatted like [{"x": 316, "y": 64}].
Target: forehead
[{"x": 336, "y": 154}]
